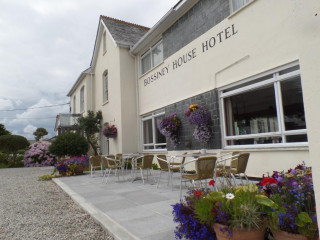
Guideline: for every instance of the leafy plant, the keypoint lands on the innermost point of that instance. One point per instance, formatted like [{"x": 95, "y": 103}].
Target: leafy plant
[
  {"x": 91, "y": 125},
  {"x": 39, "y": 133},
  {"x": 155, "y": 166},
  {"x": 10, "y": 144},
  {"x": 3, "y": 130},
  {"x": 69, "y": 143},
  {"x": 47, "y": 177}
]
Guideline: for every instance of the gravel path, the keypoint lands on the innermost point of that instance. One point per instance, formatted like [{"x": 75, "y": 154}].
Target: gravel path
[{"x": 32, "y": 209}]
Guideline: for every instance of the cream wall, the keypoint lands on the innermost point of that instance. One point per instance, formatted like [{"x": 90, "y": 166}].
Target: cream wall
[
  {"x": 268, "y": 34},
  {"x": 85, "y": 82}
]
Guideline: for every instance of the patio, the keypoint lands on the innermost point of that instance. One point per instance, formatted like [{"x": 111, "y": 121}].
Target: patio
[{"x": 127, "y": 210}]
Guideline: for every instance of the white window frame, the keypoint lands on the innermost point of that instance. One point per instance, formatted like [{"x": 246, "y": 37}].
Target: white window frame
[
  {"x": 82, "y": 99},
  {"x": 105, "y": 87},
  {"x": 232, "y": 6},
  {"x": 153, "y": 116},
  {"x": 150, "y": 50},
  {"x": 275, "y": 80}
]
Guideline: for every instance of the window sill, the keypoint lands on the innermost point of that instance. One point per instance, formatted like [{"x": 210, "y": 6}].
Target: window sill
[
  {"x": 282, "y": 147},
  {"x": 155, "y": 151},
  {"x": 150, "y": 70},
  {"x": 106, "y": 102},
  {"x": 240, "y": 9}
]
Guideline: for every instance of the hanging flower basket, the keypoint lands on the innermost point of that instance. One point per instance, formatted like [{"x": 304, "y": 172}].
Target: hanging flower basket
[
  {"x": 110, "y": 131},
  {"x": 169, "y": 127}
]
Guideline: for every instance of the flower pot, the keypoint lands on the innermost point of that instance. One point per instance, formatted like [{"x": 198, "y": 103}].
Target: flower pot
[
  {"x": 222, "y": 233},
  {"x": 282, "y": 235},
  {"x": 78, "y": 170},
  {"x": 62, "y": 172}
]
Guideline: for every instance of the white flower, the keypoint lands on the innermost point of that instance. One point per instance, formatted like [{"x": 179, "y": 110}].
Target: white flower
[{"x": 229, "y": 196}]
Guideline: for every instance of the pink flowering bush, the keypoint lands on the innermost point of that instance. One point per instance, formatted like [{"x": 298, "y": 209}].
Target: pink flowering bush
[{"x": 38, "y": 155}]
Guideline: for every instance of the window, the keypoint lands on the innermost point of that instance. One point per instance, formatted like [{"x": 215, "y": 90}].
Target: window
[
  {"x": 237, "y": 4},
  {"x": 152, "y": 57},
  {"x": 104, "y": 41},
  {"x": 265, "y": 110},
  {"x": 82, "y": 99},
  {"x": 74, "y": 104},
  {"x": 105, "y": 88},
  {"x": 152, "y": 138}
]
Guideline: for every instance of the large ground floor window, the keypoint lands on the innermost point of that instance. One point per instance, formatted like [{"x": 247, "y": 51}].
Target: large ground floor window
[
  {"x": 267, "y": 109},
  {"x": 152, "y": 138}
]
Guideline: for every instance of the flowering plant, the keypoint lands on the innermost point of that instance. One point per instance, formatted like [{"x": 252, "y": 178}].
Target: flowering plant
[
  {"x": 38, "y": 155},
  {"x": 198, "y": 115},
  {"x": 202, "y": 133},
  {"x": 110, "y": 131},
  {"x": 70, "y": 165},
  {"x": 169, "y": 127},
  {"x": 293, "y": 192}
]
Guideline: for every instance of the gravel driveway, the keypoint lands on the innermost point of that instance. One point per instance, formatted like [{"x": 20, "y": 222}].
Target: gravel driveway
[{"x": 32, "y": 209}]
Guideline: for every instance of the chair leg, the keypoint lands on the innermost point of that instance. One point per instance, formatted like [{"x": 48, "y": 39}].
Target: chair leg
[
  {"x": 152, "y": 174},
  {"x": 159, "y": 179},
  {"x": 142, "y": 176}
]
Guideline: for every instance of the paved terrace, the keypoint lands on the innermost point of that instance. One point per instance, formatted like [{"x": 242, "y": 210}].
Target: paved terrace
[{"x": 127, "y": 210}]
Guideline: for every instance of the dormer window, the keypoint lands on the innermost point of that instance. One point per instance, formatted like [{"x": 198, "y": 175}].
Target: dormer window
[
  {"x": 237, "y": 4},
  {"x": 152, "y": 57}
]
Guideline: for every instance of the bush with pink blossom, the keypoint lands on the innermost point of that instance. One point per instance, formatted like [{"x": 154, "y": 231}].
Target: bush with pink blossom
[{"x": 38, "y": 155}]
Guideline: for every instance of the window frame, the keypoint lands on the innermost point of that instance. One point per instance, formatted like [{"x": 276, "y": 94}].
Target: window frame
[
  {"x": 104, "y": 42},
  {"x": 105, "y": 88},
  {"x": 232, "y": 6},
  {"x": 153, "y": 117},
  {"x": 74, "y": 104},
  {"x": 150, "y": 50},
  {"x": 82, "y": 99},
  {"x": 276, "y": 80}
]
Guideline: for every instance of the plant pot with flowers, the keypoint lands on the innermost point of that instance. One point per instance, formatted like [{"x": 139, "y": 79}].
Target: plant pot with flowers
[
  {"x": 294, "y": 194},
  {"x": 235, "y": 213},
  {"x": 110, "y": 131},
  {"x": 70, "y": 166}
]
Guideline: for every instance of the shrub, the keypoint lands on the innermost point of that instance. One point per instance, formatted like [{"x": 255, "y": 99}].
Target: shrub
[
  {"x": 38, "y": 155},
  {"x": 13, "y": 143},
  {"x": 3, "y": 158},
  {"x": 69, "y": 144}
]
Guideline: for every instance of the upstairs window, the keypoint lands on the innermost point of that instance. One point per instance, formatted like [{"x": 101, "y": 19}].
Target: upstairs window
[
  {"x": 105, "y": 88},
  {"x": 152, "y": 57},
  {"x": 265, "y": 111},
  {"x": 104, "y": 41},
  {"x": 82, "y": 99},
  {"x": 237, "y": 4},
  {"x": 152, "y": 138}
]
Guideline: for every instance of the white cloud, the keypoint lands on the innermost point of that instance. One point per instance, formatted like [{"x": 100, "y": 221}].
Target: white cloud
[{"x": 29, "y": 130}]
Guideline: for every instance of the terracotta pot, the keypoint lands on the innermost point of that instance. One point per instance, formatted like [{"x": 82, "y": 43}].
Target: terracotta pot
[
  {"x": 282, "y": 235},
  {"x": 78, "y": 170},
  {"x": 237, "y": 234}
]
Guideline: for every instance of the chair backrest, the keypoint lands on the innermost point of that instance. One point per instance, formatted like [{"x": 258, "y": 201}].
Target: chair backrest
[
  {"x": 242, "y": 161},
  {"x": 104, "y": 162},
  {"x": 163, "y": 164},
  {"x": 95, "y": 160},
  {"x": 111, "y": 156},
  {"x": 119, "y": 156},
  {"x": 184, "y": 158},
  {"x": 234, "y": 161},
  {"x": 147, "y": 161},
  {"x": 206, "y": 166}
]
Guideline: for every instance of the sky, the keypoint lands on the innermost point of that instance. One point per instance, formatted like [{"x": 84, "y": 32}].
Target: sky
[{"x": 45, "y": 45}]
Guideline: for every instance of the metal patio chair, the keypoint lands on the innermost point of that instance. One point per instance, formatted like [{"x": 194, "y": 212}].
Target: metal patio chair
[
  {"x": 94, "y": 164},
  {"x": 146, "y": 164},
  {"x": 165, "y": 166}
]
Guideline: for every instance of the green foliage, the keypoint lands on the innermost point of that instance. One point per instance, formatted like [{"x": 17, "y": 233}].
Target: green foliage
[
  {"x": 203, "y": 211},
  {"x": 21, "y": 151},
  {"x": 13, "y": 143},
  {"x": 47, "y": 177},
  {"x": 155, "y": 166},
  {"x": 3, "y": 158},
  {"x": 3, "y": 130},
  {"x": 91, "y": 124},
  {"x": 39, "y": 133},
  {"x": 69, "y": 143}
]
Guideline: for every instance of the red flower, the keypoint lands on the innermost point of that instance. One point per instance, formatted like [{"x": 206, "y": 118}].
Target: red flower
[
  {"x": 211, "y": 183},
  {"x": 266, "y": 181},
  {"x": 197, "y": 193}
]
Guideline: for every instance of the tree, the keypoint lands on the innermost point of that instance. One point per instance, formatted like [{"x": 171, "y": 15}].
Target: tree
[
  {"x": 3, "y": 130},
  {"x": 91, "y": 124},
  {"x": 69, "y": 143},
  {"x": 11, "y": 144},
  {"x": 39, "y": 133}
]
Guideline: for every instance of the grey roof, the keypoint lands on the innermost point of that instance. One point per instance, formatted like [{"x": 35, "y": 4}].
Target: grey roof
[{"x": 124, "y": 33}]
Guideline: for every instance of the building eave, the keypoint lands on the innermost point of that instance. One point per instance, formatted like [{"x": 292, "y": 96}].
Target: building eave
[{"x": 79, "y": 79}]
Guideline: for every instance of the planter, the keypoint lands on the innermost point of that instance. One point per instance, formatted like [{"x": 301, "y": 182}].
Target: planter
[
  {"x": 282, "y": 235},
  {"x": 62, "y": 172},
  {"x": 78, "y": 170},
  {"x": 237, "y": 234}
]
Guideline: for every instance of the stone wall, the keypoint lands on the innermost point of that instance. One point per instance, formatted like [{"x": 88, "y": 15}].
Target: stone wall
[
  {"x": 198, "y": 20},
  {"x": 209, "y": 100}
]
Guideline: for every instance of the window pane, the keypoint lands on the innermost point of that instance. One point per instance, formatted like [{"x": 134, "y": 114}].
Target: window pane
[
  {"x": 146, "y": 63},
  {"x": 82, "y": 99},
  {"x": 161, "y": 147},
  {"x": 148, "y": 147},
  {"x": 147, "y": 131},
  {"x": 238, "y": 4},
  {"x": 157, "y": 54},
  {"x": 250, "y": 141},
  {"x": 159, "y": 137},
  {"x": 105, "y": 85},
  {"x": 297, "y": 138},
  {"x": 252, "y": 112},
  {"x": 292, "y": 101}
]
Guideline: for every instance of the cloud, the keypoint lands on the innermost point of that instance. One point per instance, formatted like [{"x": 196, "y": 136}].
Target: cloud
[{"x": 29, "y": 130}]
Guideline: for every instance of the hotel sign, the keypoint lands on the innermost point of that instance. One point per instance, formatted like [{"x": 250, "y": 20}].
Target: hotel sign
[{"x": 192, "y": 54}]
